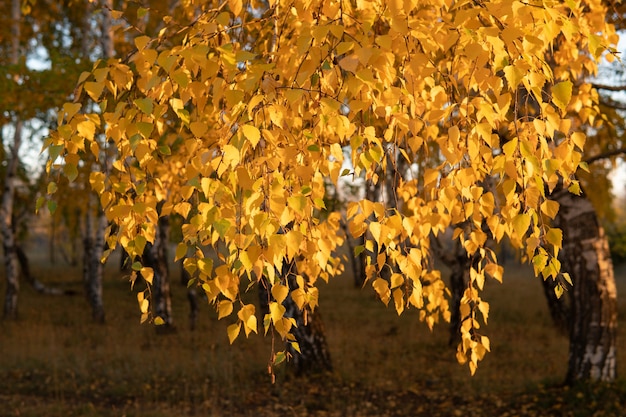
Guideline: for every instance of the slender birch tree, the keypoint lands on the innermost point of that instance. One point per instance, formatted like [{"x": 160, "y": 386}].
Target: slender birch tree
[{"x": 11, "y": 262}]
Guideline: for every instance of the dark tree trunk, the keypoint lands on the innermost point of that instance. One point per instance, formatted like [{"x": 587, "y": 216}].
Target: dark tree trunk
[
  {"x": 39, "y": 286},
  {"x": 456, "y": 258},
  {"x": 357, "y": 261},
  {"x": 192, "y": 296},
  {"x": 155, "y": 257},
  {"x": 459, "y": 280},
  {"x": 560, "y": 308},
  {"x": 585, "y": 255},
  {"x": 314, "y": 356}
]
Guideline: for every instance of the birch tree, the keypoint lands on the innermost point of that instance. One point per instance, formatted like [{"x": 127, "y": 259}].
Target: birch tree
[
  {"x": 6, "y": 209},
  {"x": 254, "y": 92}
]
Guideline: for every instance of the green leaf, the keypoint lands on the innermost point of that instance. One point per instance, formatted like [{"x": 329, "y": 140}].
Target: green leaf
[
  {"x": 39, "y": 203},
  {"x": 145, "y": 129},
  {"x": 52, "y": 187},
  {"x": 141, "y": 12},
  {"x": 70, "y": 171},
  {"x": 221, "y": 226},
  {"x": 145, "y": 105},
  {"x": 52, "y": 206},
  {"x": 279, "y": 357},
  {"x": 54, "y": 151}
]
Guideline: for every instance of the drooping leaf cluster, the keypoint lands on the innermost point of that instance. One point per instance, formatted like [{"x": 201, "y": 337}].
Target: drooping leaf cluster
[{"x": 236, "y": 121}]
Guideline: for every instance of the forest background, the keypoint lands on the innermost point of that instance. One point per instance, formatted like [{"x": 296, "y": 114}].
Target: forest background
[{"x": 57, "y": 361}]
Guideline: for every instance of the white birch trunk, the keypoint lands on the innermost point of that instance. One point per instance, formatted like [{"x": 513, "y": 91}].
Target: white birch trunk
[
  {"x": 8, "y": 195},
  {"x": 95, "y": 230},
  {"x": 585, "y": 255}
]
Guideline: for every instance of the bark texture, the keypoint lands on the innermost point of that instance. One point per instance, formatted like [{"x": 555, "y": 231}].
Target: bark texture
[
  {"x": 8, "y": 194},
  {"x": 314, "y": 356},
  {"x": 459, "y": 262},
  {"x": 39, "y": 286},
  {"x": 585, "y": 255},
  {"x": 155, "y": 257},
  {"x": 93, "y": 269},
  {"x": 192, "y": 296},
  {"x": 560, "y": 308}
]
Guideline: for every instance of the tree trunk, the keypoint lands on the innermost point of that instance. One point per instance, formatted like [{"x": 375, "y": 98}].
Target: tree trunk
[
  {"x": 93, "y": 269},
  {"x": 39, "y": 286},
  {"x": 459, "y": 262},
  {"x": 155, "y": 257},
  {"x": 108, "y": 49},
  {"x": 459, "y": 280},
  {"x": 585, "y": 255},
  {"x": 192, "y": 295},
  {"x": 8, "y": 195},
  {"x": 96, "y": 227},
  {"x": 560, "y": 308},
  {"x": 357, "y": 262},
  {"x": 314, "y": 356}
]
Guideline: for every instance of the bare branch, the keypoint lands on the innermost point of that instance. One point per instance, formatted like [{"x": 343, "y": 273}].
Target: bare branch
[
  {"x": 605, "y": 155},
  {"x": 609, "y": 87},
  {"x": 616, "y": 105}
]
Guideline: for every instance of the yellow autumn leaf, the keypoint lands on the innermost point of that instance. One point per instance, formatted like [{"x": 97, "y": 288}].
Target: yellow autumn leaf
[
  {"x": 562, "y": 94},
  {"x": 277, "y": 311},
  {"x": 520, "y": 224},
  {"x": 224, "y": 308},
  {"x": 94, "y": 89},
  {"x": 233, "y": 331},
  {"x": 252, "y": 134},
  {"x": 554, "y": 236},
  {"x": 550, "y": 208},
  {"x": 147, "y": 274},
  {"x": 248, "y": 318},
  {"x": 280, "y": 292}
]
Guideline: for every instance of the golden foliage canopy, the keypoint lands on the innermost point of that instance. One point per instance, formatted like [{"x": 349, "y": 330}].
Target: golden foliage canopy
[{"x": 240, "y": 120}]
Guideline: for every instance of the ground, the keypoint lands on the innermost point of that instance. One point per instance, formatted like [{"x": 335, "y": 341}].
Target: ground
[{"x": 55, "y": 362}]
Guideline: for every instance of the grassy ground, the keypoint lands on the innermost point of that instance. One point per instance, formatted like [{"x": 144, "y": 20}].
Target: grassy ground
[{"x": 55, "y": 362}]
